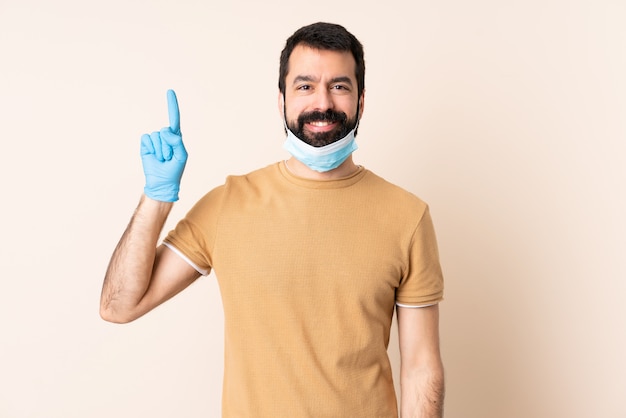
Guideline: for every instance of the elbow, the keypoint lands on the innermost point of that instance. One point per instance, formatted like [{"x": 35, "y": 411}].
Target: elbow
[{"x": 111, "y": 315}]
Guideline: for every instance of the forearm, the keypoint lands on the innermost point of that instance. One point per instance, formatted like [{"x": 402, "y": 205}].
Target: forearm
[
  {"x": 422, "y": 392},
  {"x": 130, "y": 269}
]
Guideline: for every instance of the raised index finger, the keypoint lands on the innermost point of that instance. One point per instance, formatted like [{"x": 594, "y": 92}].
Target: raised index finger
[{"x": 173, "y": 112}]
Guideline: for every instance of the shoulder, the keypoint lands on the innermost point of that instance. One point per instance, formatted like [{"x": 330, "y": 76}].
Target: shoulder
[
  {"x": 236, "y": 191},
  {"x": 238, "y": 181},
  {"x": 262, "y": 175},
  {"x": 394, "y": 194},
  {"x": 249, "y": 187}
]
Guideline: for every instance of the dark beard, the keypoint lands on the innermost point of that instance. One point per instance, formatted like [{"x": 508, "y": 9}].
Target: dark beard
[{"x": 320, "y": 139}]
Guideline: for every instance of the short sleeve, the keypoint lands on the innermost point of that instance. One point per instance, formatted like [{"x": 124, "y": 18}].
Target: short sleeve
[
  {"x": 422, "y": 283},
  {"x": 194, "y": 235}
]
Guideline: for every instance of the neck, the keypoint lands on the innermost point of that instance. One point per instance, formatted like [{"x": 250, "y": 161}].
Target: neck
[{"x": 346, "y": 168}]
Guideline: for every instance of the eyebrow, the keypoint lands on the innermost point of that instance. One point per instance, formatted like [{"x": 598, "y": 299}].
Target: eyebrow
[{"x": 309, "y": 78}]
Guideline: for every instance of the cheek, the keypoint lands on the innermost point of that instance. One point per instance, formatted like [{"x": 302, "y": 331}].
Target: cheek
[
  {"x": 350, "y": 107},
  {"x": 293, "y": 110}
]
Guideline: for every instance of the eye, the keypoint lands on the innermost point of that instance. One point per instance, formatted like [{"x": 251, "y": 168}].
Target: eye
[
  {"x": 304, "y": 87},
  {"x": 340, "y": 89}
]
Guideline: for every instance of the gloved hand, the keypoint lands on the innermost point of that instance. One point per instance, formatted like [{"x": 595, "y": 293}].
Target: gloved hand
[{"x": 163, "y": 156}]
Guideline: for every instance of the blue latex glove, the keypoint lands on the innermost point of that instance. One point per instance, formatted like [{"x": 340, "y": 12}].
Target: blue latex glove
[{"x": 164, "y": 156}]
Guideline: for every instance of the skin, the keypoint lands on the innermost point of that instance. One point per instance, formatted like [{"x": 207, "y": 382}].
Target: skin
[
  {"x": 421, "y": 368},
  {"x": 320, "y": 80},
  {"x": 142, "y": 275}
]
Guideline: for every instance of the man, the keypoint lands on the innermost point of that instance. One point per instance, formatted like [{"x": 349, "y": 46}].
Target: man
[{"x": 312, "y": 256}]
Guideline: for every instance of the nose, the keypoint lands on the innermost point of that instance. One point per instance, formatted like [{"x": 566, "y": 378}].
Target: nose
[{"x": 323, "y": 100}]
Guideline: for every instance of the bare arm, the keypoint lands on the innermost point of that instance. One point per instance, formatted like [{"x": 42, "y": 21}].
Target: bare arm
[
  {"x": 141, "y": 276},
  {"x": 421, "y": 370}
]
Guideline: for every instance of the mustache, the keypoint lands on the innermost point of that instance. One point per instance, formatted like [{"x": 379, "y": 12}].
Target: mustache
[{"x": 317, "y": 116}]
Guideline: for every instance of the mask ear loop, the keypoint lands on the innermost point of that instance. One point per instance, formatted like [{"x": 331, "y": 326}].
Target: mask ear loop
[
  {"x": 284, "y": 115},
  {"x": 358, "y": 119}
]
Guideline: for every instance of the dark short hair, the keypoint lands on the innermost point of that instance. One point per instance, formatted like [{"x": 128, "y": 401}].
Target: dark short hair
[{"x": 324, "y": 36}]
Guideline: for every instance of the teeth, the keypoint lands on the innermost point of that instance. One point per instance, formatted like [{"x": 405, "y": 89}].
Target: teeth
[{"x": 320, "y": 123}]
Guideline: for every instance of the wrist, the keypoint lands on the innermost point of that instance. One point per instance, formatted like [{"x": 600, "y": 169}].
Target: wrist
[
  {"x": 162, "y": 193},
  {"x": 149, "y": 205}
]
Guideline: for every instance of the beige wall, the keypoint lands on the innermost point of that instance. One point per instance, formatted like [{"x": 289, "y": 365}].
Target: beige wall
[{"x": 508, "y": 117}]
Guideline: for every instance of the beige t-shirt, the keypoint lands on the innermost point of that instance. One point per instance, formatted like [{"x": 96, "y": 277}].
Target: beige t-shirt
[{"x": 309, "y": 273}]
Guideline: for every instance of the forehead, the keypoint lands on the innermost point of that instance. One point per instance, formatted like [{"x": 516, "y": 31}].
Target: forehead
[{"x": 320, "y": 63}]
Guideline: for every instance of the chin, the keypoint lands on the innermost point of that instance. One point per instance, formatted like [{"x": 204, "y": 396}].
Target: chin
[{"x": 321, "y": 139}]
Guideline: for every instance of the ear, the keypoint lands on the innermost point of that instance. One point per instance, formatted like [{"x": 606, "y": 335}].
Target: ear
[
  {"x": 281, "y": 104},
  {"x": 361, "y": 104}
]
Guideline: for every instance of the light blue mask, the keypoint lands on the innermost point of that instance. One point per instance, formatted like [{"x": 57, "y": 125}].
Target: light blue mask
[{"x": 323, "y": 158}]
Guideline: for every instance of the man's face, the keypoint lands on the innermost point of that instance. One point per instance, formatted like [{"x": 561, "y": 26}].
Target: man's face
[{"x": 321, "y": 96}]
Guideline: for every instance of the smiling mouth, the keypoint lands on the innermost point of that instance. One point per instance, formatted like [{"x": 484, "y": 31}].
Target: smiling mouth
[
  {"x": 321, "y": 124},
  {"x": 320, "y": 128}
]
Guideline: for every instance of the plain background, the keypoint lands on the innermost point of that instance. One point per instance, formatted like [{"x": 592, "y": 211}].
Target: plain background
[{"x": 507, "y": 117}]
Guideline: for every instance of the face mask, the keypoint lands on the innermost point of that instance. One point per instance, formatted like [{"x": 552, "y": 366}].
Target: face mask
[{"x": 323, "y": 158}]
